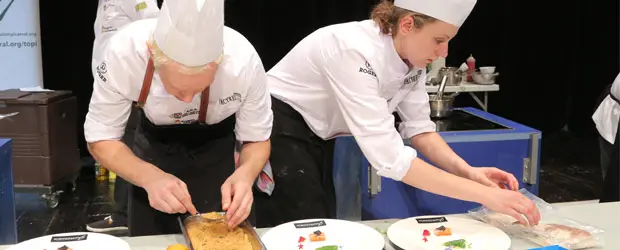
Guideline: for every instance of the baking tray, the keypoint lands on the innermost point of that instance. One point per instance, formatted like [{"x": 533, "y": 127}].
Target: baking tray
[{"x": 257, "y": 243}]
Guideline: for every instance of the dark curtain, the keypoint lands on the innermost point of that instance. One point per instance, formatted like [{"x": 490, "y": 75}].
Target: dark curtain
[{"x": 554, "y": 57}]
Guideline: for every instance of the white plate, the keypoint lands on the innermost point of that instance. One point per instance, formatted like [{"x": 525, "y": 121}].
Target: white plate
[
  {"x": 74, "y": 241},
  {"x": 345, "y": 235},
  {"x": 408, "y": 233}
]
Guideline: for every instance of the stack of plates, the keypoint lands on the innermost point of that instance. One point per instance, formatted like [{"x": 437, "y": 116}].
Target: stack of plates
[
  {"x": 73, "y": 241},
  {"x": 323, "y": 234},
  {"x": 432, "y": 233}
]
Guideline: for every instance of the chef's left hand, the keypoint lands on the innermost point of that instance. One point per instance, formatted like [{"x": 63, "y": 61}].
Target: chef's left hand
[
  {"x": 493, "y": 177},
  {"x": 237, "y": 197}
]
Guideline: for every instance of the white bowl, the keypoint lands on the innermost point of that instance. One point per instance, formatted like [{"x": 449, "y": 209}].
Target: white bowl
[{"x": 487, "y": 70}]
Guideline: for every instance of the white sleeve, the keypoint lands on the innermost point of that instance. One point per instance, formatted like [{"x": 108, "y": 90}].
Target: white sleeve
[
  {"x": 415, "y": 112},
  {"x": 255, "y": 117},
  {"x": 366, "y": 114},
  {"x": 109, "y": 107},
  {"x": 140, "y": 9}
]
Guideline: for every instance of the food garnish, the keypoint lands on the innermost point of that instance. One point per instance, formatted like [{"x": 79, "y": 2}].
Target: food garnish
[
  {"x": 177, "y": 247},
  {"x": 461, "y": 243},
  {"x": 317, "y": 236},
  {"x": 328, "y": 248},
  {"x": 443, "y": 231}
]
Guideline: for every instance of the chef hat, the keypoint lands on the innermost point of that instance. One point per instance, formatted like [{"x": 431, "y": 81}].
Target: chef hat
[
  {"x": 450, "y": 11},
  {"x": 191, "y": 32}
]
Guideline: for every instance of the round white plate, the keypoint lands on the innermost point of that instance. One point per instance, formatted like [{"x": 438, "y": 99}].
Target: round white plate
[
  {"x": 408, "y": 233},
  {"x": 73, "y": 241},
  {"x": 341, "y": 235}
]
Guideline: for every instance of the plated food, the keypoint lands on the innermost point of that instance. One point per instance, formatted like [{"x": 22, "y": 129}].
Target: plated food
[
  {"x": 73, "y": 241},
  {"x": 446, "y": 232},
  {"x": 323, "y": 234}
]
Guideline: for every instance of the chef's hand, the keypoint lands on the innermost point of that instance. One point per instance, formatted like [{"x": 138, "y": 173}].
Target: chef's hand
[
  {"x": 237, "y": 197},
  {"x": 512, "y": 203},
  {"x": 169, "y": 194},
  {"x": 493, "y": 177}
]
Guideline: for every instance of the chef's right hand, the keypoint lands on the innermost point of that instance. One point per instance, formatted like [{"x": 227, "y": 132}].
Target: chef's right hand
[
  {"x": 512, "y": 203},
  {"x": 169, "y": 194}
]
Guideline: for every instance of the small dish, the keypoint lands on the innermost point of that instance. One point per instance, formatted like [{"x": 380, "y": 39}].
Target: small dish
[{"x": 487, "y": 70}]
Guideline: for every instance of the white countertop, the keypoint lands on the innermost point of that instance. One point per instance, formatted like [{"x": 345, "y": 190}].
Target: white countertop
[
  {"x": 465, "y": 87},
  {"x": 604, "y": 216}
]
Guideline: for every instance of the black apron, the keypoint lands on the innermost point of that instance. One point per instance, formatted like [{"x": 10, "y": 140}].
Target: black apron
[
  {"x": 611, "y": 186},
  {"x": 198, "y": 154},
  {"x": 302, "y": 165}
]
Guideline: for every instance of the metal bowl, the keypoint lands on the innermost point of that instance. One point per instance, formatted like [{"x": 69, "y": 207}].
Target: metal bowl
[
  {"x": 484, "y": 78},
  {"x": 441, "y": 107}
]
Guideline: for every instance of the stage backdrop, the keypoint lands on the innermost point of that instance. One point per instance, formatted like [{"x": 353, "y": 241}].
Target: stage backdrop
[{"x": 20, "y": 50}]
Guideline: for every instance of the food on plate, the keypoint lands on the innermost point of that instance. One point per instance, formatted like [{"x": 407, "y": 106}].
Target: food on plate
[
  {"x": 215, "y": 235},
  {"x": 461, "y": 243},
  {"x": 177, "y": 247},
  {"x": 301, "y": 239},
  {"x": 552, "y": 234},
  {"x": 64, "y": 248},
  {"x": 328, "y": 248},
  {"x": 426, "y": 233},
  {"x": 317, "y": 236},
  {"x": 443, "y": 231}
]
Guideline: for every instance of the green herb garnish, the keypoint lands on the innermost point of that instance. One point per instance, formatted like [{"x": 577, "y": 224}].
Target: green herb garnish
[
  {"x": 458, "y": 243},
  {"x": 328, "y": 248}
]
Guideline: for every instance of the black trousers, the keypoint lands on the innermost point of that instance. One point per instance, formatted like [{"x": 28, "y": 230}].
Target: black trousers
[
  {"x": 611, "y": 182},
  {"x": 302, "y": 165}
]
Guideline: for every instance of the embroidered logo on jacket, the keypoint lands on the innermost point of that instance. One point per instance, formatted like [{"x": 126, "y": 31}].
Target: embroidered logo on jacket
[
  {"x": 367, "y": 69},
  {"x": 181, "y": 117},
  {"x": 235, "y": 97},
  {"x": 102, "y": 69},
  {"x": 412, "y": 78}
]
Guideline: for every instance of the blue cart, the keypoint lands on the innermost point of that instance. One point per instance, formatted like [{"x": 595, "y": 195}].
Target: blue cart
[
  {"x": 480, "y": 138},
  {"x": 8, "y": 228}
]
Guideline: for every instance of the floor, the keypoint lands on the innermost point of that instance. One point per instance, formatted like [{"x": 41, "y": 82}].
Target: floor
[{"x": 570, "y": 172}]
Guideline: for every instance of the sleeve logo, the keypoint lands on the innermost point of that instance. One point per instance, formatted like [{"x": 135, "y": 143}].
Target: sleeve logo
[
  {"x": 102, "y": 69},
  {"x": 367, "y": 69}
]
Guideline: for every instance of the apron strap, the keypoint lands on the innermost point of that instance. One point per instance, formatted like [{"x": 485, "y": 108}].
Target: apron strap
[
  {"x": 146, "y": 83},
  {"x": 146, "y": 87}
]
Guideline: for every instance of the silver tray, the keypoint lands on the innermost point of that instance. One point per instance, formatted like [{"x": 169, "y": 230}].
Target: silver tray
[{"x": 245, "y": 225}]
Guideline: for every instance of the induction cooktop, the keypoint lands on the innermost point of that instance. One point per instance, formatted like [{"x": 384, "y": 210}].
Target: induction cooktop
[{"x": 461, "y": 120}]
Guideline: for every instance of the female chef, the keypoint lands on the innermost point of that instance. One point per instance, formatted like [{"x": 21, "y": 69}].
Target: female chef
[
  {"x": 196, "y": 95},
  {"x": 348, "y": 79},
  {"x": 607, "y": 117},
  {"x": 112, "y": 15}
]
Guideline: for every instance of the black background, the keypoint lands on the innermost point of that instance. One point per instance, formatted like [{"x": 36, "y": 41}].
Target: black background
[{"x": 554, "y": 57}]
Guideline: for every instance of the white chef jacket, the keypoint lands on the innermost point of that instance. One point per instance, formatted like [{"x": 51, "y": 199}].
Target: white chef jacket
[
  {"x": 607, "y": 114},
  {"x": 239, "y": 88},
  {"x": 114, "y": 14},
  {"x": 347, "y": 79}
]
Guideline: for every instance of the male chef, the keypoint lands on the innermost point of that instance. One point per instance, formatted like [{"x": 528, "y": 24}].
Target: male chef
[
  {"x": 113, "y": 15},
  {"x": 199, "y": 86}
]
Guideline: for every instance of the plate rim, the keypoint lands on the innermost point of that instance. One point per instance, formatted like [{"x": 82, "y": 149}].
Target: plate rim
[
  {"x": 357, "y": 223},
  {"x": 390, "y": 228},
  {"x": 15, "y": 247}
]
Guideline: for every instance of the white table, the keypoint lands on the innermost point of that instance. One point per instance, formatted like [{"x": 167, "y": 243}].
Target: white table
[
  {"x": 470, "y": 88},
  {"x": 604, "y": 216}
]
